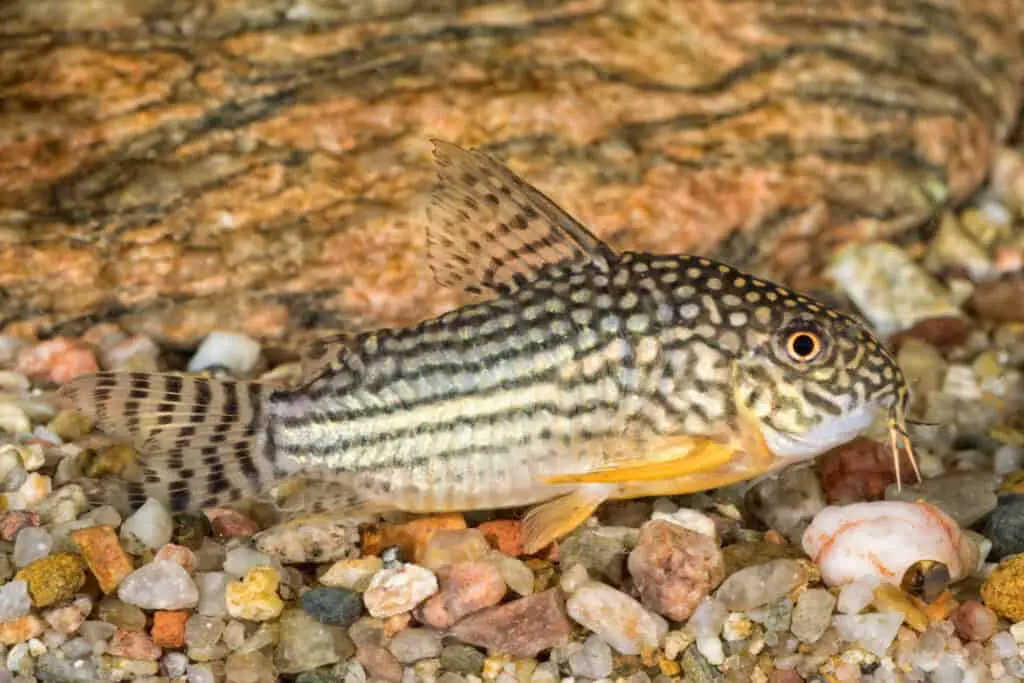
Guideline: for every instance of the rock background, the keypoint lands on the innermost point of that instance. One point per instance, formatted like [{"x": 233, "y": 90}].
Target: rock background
[{"x": 260, "y": 165}]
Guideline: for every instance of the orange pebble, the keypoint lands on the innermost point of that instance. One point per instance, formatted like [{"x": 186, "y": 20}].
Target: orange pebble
[
  {"x": 411, "y": 536},
  {"x": 505, "y": 535},
  {"x": 169, "y": 628},
  {"x": 102, "y": 550},
  {"x": 774, "y": 537}
]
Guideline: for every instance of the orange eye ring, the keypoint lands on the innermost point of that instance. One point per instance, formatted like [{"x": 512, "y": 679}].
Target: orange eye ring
[{"x": 803, "y": 346}]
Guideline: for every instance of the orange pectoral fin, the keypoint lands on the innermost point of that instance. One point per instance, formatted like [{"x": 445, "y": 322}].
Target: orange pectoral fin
[
  {"x": 550, "y": 521},
  {"x": 667, "y": 458}
]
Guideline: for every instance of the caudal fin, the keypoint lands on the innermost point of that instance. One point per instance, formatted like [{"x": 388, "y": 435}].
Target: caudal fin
[{"x": 201, "y": 441}]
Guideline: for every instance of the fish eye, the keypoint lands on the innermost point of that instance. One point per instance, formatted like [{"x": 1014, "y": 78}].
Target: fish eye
[{"x": 803, "y": 345}]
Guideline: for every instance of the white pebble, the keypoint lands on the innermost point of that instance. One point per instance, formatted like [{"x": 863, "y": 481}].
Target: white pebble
[
  {"x": 10, "y": 460},
  {"x": 201, "y": 673},
  {"x": 398, "y": 590},
  {"x": 690, "y": 519},
  {"x": 32, "y": 543},
  {"x": 161, "y": 584},
  {"x": 618, "y": 619},
  {"x": 32, "y": 455},
  {"x": 151, "y": 527},
  {"x": 176, "y": 664},
  {"x": 213, "y": 588},
  {"x": 236, "y": 352},
  {"x": 874, "y": 632},
  {"x": 573, "y": 578},
  {"x": 19, "y": 660},
  {"x": 592, "y": 660},
  {"x": 13, "y": 419},
  {"x": 241, "y": 559},
  {"x": 856, "y": 596},
  {"x": 14, "y": 600},
  {"x": 708, "y": 619},
  {"x": 1017, "y": 631},
  {"x": 711, "y": 648}
]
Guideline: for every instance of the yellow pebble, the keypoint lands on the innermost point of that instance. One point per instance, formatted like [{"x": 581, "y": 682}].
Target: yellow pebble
[
  {"x": 53, "y": 578},
  {"x": 255, "y": 597},
  {"x": 1003, "y": 592}
]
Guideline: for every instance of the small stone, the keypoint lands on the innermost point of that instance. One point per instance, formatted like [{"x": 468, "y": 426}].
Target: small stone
[
  {"x": 689, "y": 519},
  {"x": 113, "y": 460},
  {"x": 353, "y": 574},
  {"x": 973, "y": 621},
  {"x": 465, "y": 588},
  {"x": 449, "y": 546},
  {"x": 240, "y": 560},
  {"x": 812, "y": 614},
  {"x": 592, "y": 660},
  {"x": 177, "y": 553},
  {"x": 133, "y": 645},
  {"x": 21, "y": 629},
  {"x": 13, "y": 521},
  {"x": 53, "y": 578},
  {"x": 104, "y": 555},
  {"x": 860, "y": 470},
  {"x": 306, "y": 644},
  {"x": 310, "y": 541},
  {"x": 228, "y": 523},
  {"x": 674, "y": 568},
  {"x": 159, "y": 585},
  {"x": 58, "y": 360},
  {"x": 602, "y": 551},
  {"x": 212, "y": 588},
  {"x": 94, "y": 632},
  {"x": 516, "y": 574},
  {"x": 788, "y": 501},
  {"x": 121, "y": 614},
  {"x": 14, "y": 600},
  {"x": 462, "y": 659},
  {"x": 190, "y": 529},
  {"x": 504, "y": 535},
  {"x": 412, "y": 536},
  {"x": 175, "y": 664},
  {"x": 999, "y": 300},
  {"x": 150, "y": 527},
  {"x": 336, "y": 606},
  {"x": 398, "y": 590},
  {"x": 203, "y": 673},
  {"x": 13, "y": 420},
  {"x": 249, "y": 667},
  {"x": 35, "y": 489},
  {"x": 521, "y": 628},
  {"x": 67, "y": 619},
  {"x": 133, "y": 354},
  {"x": 203, "y": 632},
  {"x": 1003, "y": 591},
  {"x": 169, "y": 628},
  {"x": 414, "y": 644},
  {"x": 236, "y": 352},
  {"x": 874, "y": 632},
  {"x": 70, "y": 425},
  {"x": 966, "y": 497},
  {"x": 255, "y": 597},
  {"x": 761, "y": 584},
  {"x": 1005, "y": 528},
  {"x": 379, "y": 663},
  {"x": 854, "y": 597},
  {"x": 617, "y": 618}
]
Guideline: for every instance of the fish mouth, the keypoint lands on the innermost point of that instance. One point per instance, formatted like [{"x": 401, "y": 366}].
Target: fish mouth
[{"x": 825, "y": 436}]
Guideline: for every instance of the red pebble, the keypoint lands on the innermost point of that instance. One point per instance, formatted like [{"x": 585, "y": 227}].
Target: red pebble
[
  {"x": 973, "y": 621},
  {"x": 133, "y": 644},
  {"x": 505, "y": 535},
  {"x": 58, "y": 360},
  {"x": 14, "y": 521},
  {"x": 179, "y": 554},
  {"x": 860, "y": 471},
  {"x": 228, "y": 523}
]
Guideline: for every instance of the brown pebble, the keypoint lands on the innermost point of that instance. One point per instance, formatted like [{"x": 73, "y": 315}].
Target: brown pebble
[
  {"x": 379, "y": 663},
  {"x": 228, "y": 523},
  {"x": 412, "y": 536},
  {"x": 785, "y": 676},
  {"x": 999, "y": 301},
  {"x": 942, "y": 333},
  {"x": 860, "y": 470},
  {"x": 169, "y": 628},
  {"x": 133, "y": 644},
  {"x": 104, "y": 555},
  {"x": 14, "y": 521},
  {"x": 465, "y": 588},
  {"x": 521, "y": 628},
  {"x": 674, "y": 568}
]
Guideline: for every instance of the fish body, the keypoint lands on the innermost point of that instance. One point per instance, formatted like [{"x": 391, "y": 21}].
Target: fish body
[{"x": 576, "y": 376}]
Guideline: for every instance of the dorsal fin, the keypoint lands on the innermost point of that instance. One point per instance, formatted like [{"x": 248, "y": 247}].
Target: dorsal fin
[{"x": 487, "y": 228}]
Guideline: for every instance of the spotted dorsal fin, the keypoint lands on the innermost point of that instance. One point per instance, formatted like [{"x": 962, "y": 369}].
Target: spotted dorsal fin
[{"x": 489, "y": 229}]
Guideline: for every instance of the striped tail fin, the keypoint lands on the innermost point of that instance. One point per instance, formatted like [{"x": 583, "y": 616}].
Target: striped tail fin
[{"x": 202, "y": 442}]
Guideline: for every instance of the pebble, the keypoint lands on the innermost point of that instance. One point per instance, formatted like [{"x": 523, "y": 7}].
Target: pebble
[
  {"x": 504, "y": 535},
  {"x": 58, "y": 360},
  {"x": 520, "y": 628},
  {"x": 1005, "y": 528},
  {"x": 159, "y": 585},
  {"x": 337, "y": 606},
  {"x": 860, "y": 470},
  {"x": 133, "y": 354},
  {"x": 178, "y": 553},
  {"x": 415, "y": 644},
  {"x": 465, "y": 588},
  {"x": 515, "y": 573},
  {"x": 450, "y": 546},
  {"x": 353, "y": 574},
  {"x": 674, "y": 568},
  {"x": 227, "y": 523},
  {"x": 13, "y": 420},
  {"x": 761, "y": 584},
  {"x": 169, "y": 628},
  {"x": 103, "y": 554},
  {"x": 812, "y": 614},
  {"x": 854, "y": 597},
  {"x": 617, "y": 618},
  {"x": 67, "y": 619},
  {"x": 133, "y": 645},
  {"x": 255, "y": 597},
  {"x": 1003, "y": 591},
  {"x": 31, "y": 544},
  {"x": 973, "y": 621},
  {"x": 14, "y": 600},
  {"x": 212, "y": 587},
  {"x": 53, "y": 578},
  {"x": 240, "y": 560},
  {"x": 593, "y": 659},
  {"x": 13, "y": 521},
  {"x": 310, "y": 541},
  {"x": 190, "y": 529},
  {"x": 121, "y": 614},
  {"x": 380, "y": 665},
  {"x": 411, "y": 537},
  {"x": 602, "y": 551},
  {"x": 150, "y": 527},
  {"x": 462, "y": 659},
  {"x": 398, "y": 590},
  {"x": 236, "y": 352},
  {"x": 203, "y": 632},
  {"x": 788, "y": 501},
  {"x": 249, "y": 667},
  {"x": 965, "y": 496},
  {"x": 21, "y": 629},
  {"x": 306, "y": 644},
  {"x": 874, "y": 632}
]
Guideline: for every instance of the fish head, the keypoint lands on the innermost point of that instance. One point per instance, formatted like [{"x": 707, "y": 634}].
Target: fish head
[{"x": 813, "y": 378}]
